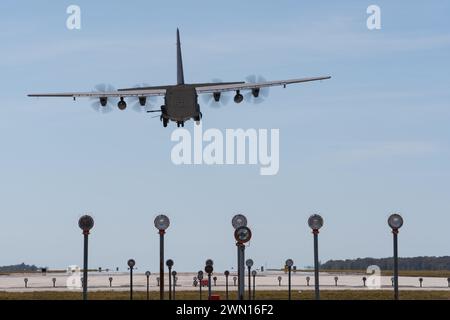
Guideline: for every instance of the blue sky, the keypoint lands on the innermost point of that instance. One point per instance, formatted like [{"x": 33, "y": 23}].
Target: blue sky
[{"x": 371, "y": 141}]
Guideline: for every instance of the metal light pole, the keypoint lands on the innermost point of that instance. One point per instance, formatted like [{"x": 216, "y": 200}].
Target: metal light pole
[
  {"x": 249, "y": 264},
  {"x": 238, "y": 221},
  {"x": 240, "y": 269},
  {"x": 174, "y": 275},
  {"x": 242, "y": 235},
  {"x": 254, "y": 283},
  {"x": 147, "y": 274},
  {"x": 209, "y": 270},
  {"x": 200, "y": 278},
  {"x": 289, "y": 264},
  {"x": 227, "y": 274},
  {"x": 161, "y": 222},
  {"x": 169, "y": 264},
  {"x": 395, "y": 221},
  {"x": 315, "y": 222},
  {"x": 86, "y": 223},
  {"x": 131, "y": 263}
]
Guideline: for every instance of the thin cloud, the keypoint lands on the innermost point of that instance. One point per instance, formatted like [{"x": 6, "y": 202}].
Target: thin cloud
[
  {"x": 386, "y": 150},
  {"x": 335, "y": 38}
]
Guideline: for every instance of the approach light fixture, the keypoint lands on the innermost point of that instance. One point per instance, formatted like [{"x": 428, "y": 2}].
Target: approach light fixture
[
  {"x": 162, "y": 222},
  {"x": 239, "y": 220}
]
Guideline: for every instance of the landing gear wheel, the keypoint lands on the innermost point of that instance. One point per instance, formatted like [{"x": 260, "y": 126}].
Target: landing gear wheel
[
  {"x": 165, "y": 123},
  {"x": 198, "y": 118}
]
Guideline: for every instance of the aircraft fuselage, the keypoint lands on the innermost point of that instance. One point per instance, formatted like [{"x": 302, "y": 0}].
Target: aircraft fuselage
[{"x": 181, "y": 104}]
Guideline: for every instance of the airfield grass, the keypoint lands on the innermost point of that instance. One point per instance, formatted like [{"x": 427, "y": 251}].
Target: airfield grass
[{"x": 260, "y": 295}]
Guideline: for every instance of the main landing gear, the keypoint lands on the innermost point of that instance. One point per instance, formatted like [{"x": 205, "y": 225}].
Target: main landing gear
[
  {"x": 198, "y": 118},
  {"x": 164, "y": 121}
]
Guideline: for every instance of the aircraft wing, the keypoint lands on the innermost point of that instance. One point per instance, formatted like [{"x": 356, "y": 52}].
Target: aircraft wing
[
  {"x": 106, "y": 94},
  {"x": 249, "y": 86}
]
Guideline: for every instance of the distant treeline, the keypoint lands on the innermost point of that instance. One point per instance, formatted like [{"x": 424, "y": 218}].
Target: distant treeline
[
  {"x": 415, "y": 263},
  {"x": 20, "y": 268}
]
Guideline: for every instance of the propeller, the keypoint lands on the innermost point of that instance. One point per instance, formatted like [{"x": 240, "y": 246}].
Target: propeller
[
  {"x": 142, "y": 103},
  {"x": 262, "y": 93},
  {"x": 223, "y": 97},
  {"x": 110, "y": 102}
]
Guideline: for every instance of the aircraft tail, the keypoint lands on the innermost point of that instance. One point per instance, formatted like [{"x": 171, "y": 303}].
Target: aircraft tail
[{"x": 180, "y": 73}]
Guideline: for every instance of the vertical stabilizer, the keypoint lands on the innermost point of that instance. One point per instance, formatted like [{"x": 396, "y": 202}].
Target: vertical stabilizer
[{"x": 180, "y": 73}]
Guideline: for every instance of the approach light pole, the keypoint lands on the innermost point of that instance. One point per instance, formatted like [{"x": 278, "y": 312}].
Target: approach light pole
[
  {"x": 162, "y": 222},
  {"x": 209, "y": 270},
  {"x": 174, "y": 275},
  {"x": 395, "y": 221},
  {"x": 242, "y": 234},
  {"x": 131, "y": 263},
  {"x": 249, "y": 264},
  {"x": 86, "y": 223},
  {"x": 169, "y": 264},
  {"x": 227, "y": 274},
  {"x": 148, "y": 274},
  {"x": 200, "y": 278},
  {"x": 289, "y": 263},
  {"x": 315, "y": 222},
  {"x": 254, "y": 283}
]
